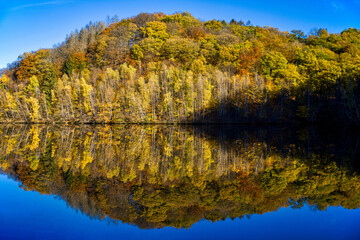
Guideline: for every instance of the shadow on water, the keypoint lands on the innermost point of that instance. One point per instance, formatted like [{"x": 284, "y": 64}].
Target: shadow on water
[
  {"x": 157, "y": 176},
  {"x": 339, "y": 143}
]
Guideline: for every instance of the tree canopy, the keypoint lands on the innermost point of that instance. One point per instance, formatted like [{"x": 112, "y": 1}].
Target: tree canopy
[{"x": 176, "y": 68}]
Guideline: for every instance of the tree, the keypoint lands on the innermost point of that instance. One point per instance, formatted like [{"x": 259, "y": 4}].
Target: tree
[
  {"x": 155, "y": 30},
  {"x": 213, "y": 25}
]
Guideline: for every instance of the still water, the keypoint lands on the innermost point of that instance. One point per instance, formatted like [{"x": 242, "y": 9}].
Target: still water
[{"x": 167, "y": 182}]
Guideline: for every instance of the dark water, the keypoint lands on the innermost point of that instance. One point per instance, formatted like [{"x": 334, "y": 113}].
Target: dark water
[{"x": 166, "y": 182}]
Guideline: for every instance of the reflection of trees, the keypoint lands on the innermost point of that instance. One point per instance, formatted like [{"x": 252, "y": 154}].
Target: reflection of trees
[{"x": 156, "y": 176}]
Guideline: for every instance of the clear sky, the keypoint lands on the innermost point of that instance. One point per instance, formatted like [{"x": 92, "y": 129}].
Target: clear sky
[{"x": 27, "y": 25}]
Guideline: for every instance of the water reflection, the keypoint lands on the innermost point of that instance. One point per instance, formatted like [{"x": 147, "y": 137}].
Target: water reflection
[{"x": 157, "y": 176}]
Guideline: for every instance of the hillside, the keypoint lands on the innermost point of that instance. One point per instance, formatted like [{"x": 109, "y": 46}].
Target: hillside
[{"x": 158, "y": 68}]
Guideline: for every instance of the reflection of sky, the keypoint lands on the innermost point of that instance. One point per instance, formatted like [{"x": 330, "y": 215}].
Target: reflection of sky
[
  {"x": 27, "y": 25},
  {"x": 29, "y": 215}
]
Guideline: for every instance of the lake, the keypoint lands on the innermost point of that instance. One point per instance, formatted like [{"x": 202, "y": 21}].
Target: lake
[{"x": 179, "y": 182}]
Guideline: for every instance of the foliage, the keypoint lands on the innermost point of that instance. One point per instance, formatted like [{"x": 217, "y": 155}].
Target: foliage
[{"x": 184, "y": 70}]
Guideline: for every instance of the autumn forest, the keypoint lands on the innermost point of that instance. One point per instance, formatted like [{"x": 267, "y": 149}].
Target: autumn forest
[{"x": 158, "y": 68}]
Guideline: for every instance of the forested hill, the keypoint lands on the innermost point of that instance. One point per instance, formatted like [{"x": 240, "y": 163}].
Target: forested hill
[{"x": 158, "y": 68}]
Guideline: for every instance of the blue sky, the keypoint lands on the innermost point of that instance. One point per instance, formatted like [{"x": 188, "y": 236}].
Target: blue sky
[{"x": 27, "y": 25}]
